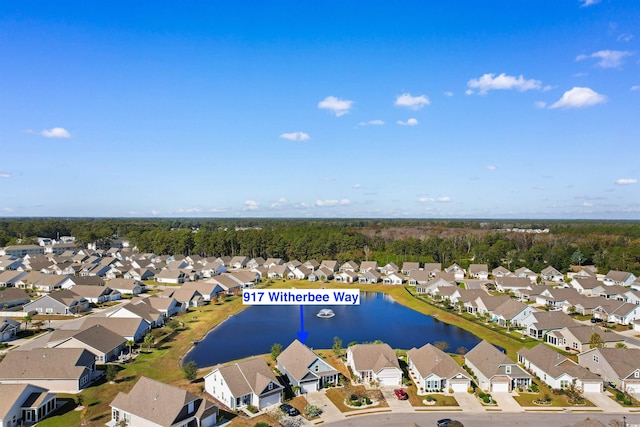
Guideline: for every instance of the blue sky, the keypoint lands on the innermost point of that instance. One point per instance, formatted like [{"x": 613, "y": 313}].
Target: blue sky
[{"x": 481, "y": 109}]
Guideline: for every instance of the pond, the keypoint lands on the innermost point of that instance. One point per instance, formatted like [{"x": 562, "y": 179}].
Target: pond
[{"x": 378, "y": 317}]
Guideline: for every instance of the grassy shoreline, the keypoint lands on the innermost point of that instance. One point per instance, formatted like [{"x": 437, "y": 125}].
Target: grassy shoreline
[{"x": 163, "y": 363}]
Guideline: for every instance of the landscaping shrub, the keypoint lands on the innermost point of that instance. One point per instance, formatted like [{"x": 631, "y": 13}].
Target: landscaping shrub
[
  {"x": 312, "y": 411},
  {"x": 486, "y": 398},
  {"x": 481, "y": 395},
  {"x": 261, "y": 424},
  {"x": 429, "y": 398},
  {"x": 353, "y": 397},
  {"x": 366, "y": 400},
  {"x": 534, "y": 388},
  {"x": 619, "y": 396}
]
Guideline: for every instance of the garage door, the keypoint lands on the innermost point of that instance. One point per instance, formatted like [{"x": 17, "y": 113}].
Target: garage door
[
  {"x": 633, "y": 388},
  {"x": 592, "y": 388},
  {"x": 459, "y": 387},
  {"x": 388, "y": 381},
  {"x": 500, "y": 387},
  {"x": 274, "y": 399}
]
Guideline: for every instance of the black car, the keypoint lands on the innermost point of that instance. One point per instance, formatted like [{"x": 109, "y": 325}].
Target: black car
[
  {"x": 289, "y": 410},
  {"x": 448, "y": 422},
  {"x": 596, "y": 320}
]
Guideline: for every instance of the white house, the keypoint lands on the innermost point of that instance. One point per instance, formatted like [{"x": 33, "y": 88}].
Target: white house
[{"x": 375, "y": 363}]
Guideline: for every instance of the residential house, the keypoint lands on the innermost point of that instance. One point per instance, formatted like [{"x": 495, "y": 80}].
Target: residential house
[
  {"x": 513, "y": 284},
  {"x": 557, "y": 371},
  {"x": 139, "y": 308},
  {"x": 105, "y": 344},
  {"x": 239, "y": 262},
  {"x": 479, "y": 271},
  {"x": 277, "y": 271},
  {"x": 305, "y": 369},
  {"x": 484, "y": 304},
  {"x": 209, "y": 291},
  {"x": 8, "y": 328},
  {"x": 458, "y": 271},
  {"x": 53, "y": 282},
  {"x": 129, "y": 328},
  {"x": 419, "y": 277},
  {"x": 526, "y": 273},
  {"x": 270, "y": 262},
  {"x": 61, "y": 370},
  {"x": 351, "y": 266},
  {"x": 623, "y": 278},
  {"x": 434, "y": 371},
  {"x": 539, "y": 323},
  {"x": 20, "y": 251},
  {"x": 312, "y": 265},
  {"x": 59, "y": 302},
  {"x": 368, "y": 265},
  {"x": 588, "y": 286},
  {"x": 619, "y": 366},
  {"x": 299, "y": 273},
  {"x": 256, "y": 262},
  {"x": 432, "y": 286},
  {"x": 346, "y": 277},
  {"x": 8, "y": 262},
  {"x": 433, "y": 268},
  {"x": 511, "y": 313},
  {"x": 615, "y": 311},
  {"x": 370, "y": 276},
  {"x": 501, "y": 272},
  {"x": 389, "y": 268},
  {"x": 578, "y": 338},
  {"x": 331, "y": 264},
  {"x": 187, "y": 297},
  {"x": 494, "y": 370},
  {"x": 551, "y": 274},
  {"x": 96, "y": 294},
  {"x": 167, "y": 306},
  {"x": 10, "y": 277},
  {"x": 321, "y": 274},
  {"x": 375, "y": 363},
  {"x": 408, "y": 267},
  {"x": 151, "y": 403},
  {"x": 127, "y": 286},
  {"x": 174, "y": 277},
  {"x": 226, "y": 282},
  {"x": 13, "y": 298},
  {"x": 25, "y": 404},
  {"x": 240, "y": 384},
  {"x": 393, "y": 279}
]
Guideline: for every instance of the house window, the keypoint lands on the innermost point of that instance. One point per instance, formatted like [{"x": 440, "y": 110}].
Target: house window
[
  {"x": 575, "y": 345},
  {"x": 270, "y": 386},
  {"x": 596, "y": 358},
  {"x": 636, "y": 374},
  {"x": 507, "y": 369},
  {"x": 564, "y": 384}
]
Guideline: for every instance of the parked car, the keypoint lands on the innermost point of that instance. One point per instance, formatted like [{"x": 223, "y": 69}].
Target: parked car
[
  {"x": 401, "y": 394},
  {"x": 448, "y": 422},
  {"x": 289, "y": 410},
  {"x": 596, "y": 320}
]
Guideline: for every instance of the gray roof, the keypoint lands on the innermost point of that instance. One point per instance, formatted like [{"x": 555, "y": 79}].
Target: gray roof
[
  {"x": 374, "y": 357},
  {"x": 297, "y": 359},
  {"x": 509, "y": 309},
  {"x": 249, "y": 376},
  {"x": 552, "y": 320},
  {"x": 624, "y": 361},
  {"x": 554, "y": 364},
  {"x": 490, "y": 361},
  {"x": 41, "y": 363},
  {"x": 584, "y": 332},
  {"x": 157, "y": 402},
  {"x": 122, "y": 326},
  {"x": 101, "y": 338},
  {"x": 11, "y": 393},
  {"x": 429, "y": 359}
]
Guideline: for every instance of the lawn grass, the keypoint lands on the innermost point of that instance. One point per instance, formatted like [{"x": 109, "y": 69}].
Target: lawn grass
[
  {"x": 557, "y": 400},
  {"x": 338, "y": 395}
]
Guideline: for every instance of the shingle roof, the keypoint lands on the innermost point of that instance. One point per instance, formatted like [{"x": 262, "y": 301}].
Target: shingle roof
[
  {"x": 429, "y": 359},
  {"x": 554, "y": 364},
  {"x": 249, "y": 376},
  {"x": 53, "y": 363},
  {"x": 374, "y": 357},
  {"x": 101, "y": 338},
  {"x": 297, "y": 358}
]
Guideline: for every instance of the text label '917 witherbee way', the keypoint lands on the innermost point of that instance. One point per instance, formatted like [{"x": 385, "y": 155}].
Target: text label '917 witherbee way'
[{"x": 301, "y": 296}]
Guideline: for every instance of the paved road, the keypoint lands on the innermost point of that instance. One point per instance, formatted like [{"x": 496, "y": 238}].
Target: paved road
[{"x": 481, "y": 420}]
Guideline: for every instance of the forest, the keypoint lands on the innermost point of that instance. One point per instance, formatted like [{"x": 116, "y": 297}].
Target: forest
[{"x": 609, "y": 245}]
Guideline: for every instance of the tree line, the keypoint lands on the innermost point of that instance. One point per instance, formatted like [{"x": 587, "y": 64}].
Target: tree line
[{"x": 607, "y": 245}]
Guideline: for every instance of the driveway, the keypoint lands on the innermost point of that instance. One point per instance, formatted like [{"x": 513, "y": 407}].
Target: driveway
[
  {"x": 604, "y": 402},
  {"x": 329, "y": 412},
  {"x": 394, "y": 403},
  {"x": 469, "y": 402},
  {"x": 506, "y": 402}
]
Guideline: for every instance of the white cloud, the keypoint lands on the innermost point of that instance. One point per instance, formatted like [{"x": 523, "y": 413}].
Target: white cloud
[
  {"x": 444, "y": 199},
  {"x": 329, "y": 203},
  {"x": 587, "y": 204},
  {"x": 636, "y": 87},
  {"x": 491, "y": 167},
  {"x": 539, "y": 104},
  {"x": 586, "y": 3},
  {"x": 607, "y": 58},
  {"x": 7, "y": 210},
  {"x": 357, "y": 186},
  {"x": 412, "y": 102},
  {"x": 279, "y": 204},
  {"x": 372, "y": 123},
  {"x": 490, "y": 82},
  {"x": 579, "y": 97},
  {"x": 426, "y": 200},
  {"x": 155, "y": 212},
  {"x": 295, "y": 136},
  {"x": 448, "y": 93},
  {"x": 250, "y": 205},
  {"x": 410, "y": 122},
  {"x": 626, "y": 181},
  {"x": 580, "y": 75},
  {"x": 55, "y": 133},
  {"x": 468, "y": 92},
  {"x": 189, "y": 211},
  {"x": 5, "y": 175},
  {"x": 339, "y": 107},
  {"x": 626, "y": 37}
]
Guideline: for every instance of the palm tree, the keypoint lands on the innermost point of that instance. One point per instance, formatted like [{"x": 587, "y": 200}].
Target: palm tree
[
  {"x": 148, "y": 340},
  {"x": 26, "y": 320},
  {"x": 130, "y": 344}
]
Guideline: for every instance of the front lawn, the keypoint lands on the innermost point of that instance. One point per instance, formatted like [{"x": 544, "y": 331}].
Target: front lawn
[{"x": 338, "y": 397}]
